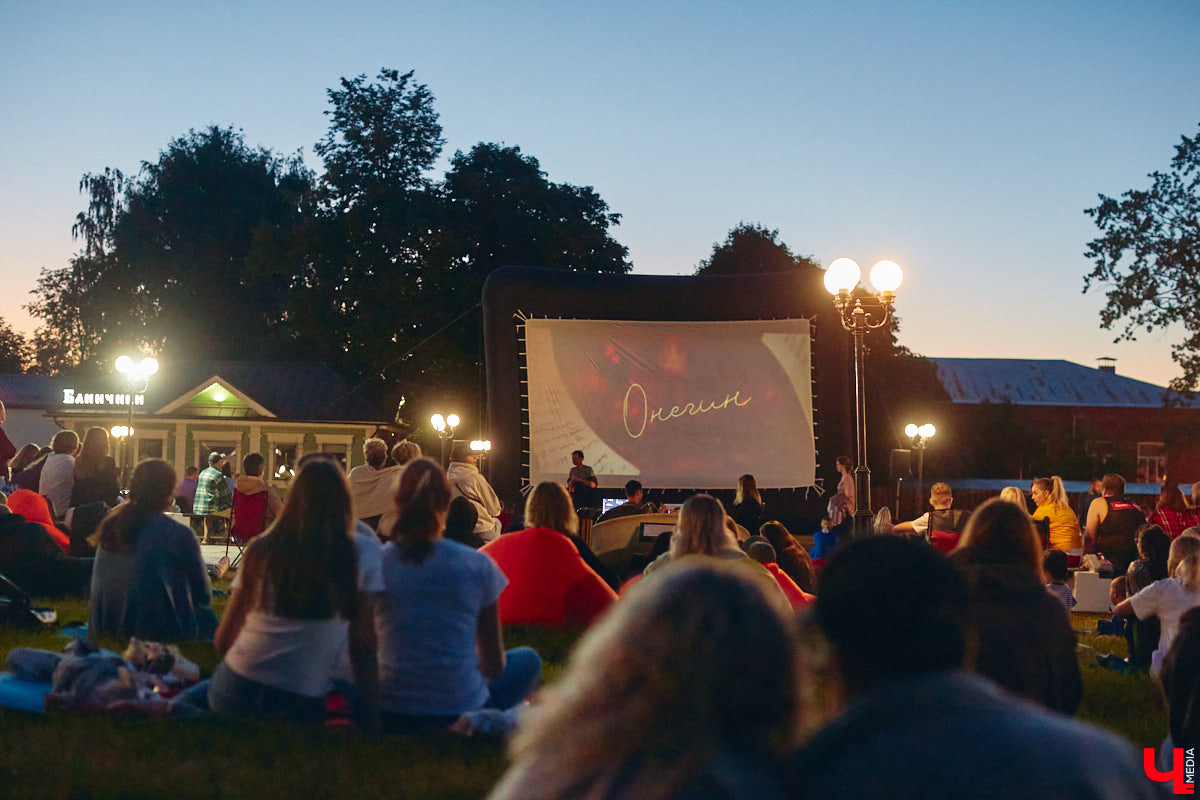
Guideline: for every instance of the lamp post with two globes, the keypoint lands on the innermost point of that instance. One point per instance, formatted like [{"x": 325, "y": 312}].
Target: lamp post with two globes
[
  {"x": 445, "y": 430},
  {"x": 920, "y": 436},
  {"x": 137, "y": 373},
  {"x": 858, "y": 315}
]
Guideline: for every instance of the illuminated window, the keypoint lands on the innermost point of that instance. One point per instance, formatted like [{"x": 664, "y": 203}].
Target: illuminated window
[
  {"x": 283, "y": 461},
  {"x": 338, "y": 451},
  {"x": 1151, "y": 462},
  {"x": 228, "y": 448}
]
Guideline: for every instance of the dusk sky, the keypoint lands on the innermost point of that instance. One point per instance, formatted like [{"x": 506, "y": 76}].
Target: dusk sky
[{"x": 962, "y": 140}]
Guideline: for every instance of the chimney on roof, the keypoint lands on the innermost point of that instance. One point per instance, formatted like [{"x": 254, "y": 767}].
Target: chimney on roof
[{"x": 1107, "y": 364}]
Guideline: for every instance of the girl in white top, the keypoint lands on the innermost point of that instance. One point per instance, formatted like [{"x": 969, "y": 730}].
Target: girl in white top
[
  {"x": 1169, "y": 598},
  {"x": 287, "y": 623}
]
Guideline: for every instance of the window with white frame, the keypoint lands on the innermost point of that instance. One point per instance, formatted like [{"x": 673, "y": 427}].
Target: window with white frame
[
  {"x": 283, "y": 453},
  {"x": 1151, "y": 462}
]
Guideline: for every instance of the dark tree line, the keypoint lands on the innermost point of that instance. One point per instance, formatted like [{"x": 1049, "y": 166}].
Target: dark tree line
[{"x": 220, "y": 250}]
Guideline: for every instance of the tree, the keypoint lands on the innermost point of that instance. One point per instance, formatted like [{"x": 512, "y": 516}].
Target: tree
[
  {"x": 1148, "y": 257},
  {"x": 168, "y": 262},
  {"x": 751, "y": 248},
  {"x": 14, "y": 350}
]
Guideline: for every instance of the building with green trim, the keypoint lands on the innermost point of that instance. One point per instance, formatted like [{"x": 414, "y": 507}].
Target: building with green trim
[{"x": 279, "y": 409}]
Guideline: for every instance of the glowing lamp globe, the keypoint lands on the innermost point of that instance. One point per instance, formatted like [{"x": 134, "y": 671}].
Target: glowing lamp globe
[
  {"x": 886, "y": 276},
  {"x": 911, "y": 430},
  {"x": 438, "y": 422},
  {"x": 149, "y": 366},
  {"x": 842, "y": 275},
  {"x": 927, "y": 430},
  {"x": 124, "y": 364},
  {"x": 453, "y": 420}
]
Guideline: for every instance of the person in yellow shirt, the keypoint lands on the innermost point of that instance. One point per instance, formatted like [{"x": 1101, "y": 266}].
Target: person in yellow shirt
[{"x": 1051, "y": 500}]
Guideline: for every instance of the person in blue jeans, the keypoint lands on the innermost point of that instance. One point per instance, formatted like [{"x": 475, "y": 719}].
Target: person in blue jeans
[
  {"x": 824, "y": 541},
  {"x": 442, "y": 661}
]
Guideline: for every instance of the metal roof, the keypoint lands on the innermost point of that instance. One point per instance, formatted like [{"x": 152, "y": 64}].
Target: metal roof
[{"x": 1045, "y": 382}]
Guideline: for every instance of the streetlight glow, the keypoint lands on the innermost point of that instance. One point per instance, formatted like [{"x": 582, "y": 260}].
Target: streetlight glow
[
  {"x": 452, "y": 420},
  {"x": 124, "y": 364},
  {"x": 886, "y": 276},
  {"x": 927, "y": 430},
  {"x": 911, "y": 430},
  {"x": 842, "y": 275},
  {"x": 438, "y": 422}
]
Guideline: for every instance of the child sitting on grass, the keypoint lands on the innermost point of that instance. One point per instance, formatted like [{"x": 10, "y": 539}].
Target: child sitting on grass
[{"x": 1054, "y": 565}]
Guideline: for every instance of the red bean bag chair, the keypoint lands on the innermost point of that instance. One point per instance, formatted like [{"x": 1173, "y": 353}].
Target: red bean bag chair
[
  {"x": 795, "y": 595},
  {"x": 34, "y": 508},
  {"x": 548, "y": 582}
]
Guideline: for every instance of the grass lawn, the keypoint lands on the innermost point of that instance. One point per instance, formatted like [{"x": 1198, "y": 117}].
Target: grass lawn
[{"x": 78, "y": 758}]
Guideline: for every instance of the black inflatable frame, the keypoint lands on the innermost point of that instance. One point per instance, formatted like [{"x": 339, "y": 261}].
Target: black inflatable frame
[{"x": 514, "y": 292}]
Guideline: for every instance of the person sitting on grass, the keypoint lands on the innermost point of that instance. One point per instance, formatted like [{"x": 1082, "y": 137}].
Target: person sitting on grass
[
  {"x": 149, "y": 580},
  {"x": 1169, "y": 598},
  {"x": 554, "y": 579},
  {"x": 1181, "y": 689},
  {"x": 31, "y": 558},
  {"x": 1025, "y": 642},
  {"x": 441, "y": 645},
  {"x": 687, "y": 689},
  {"x": 1054, "y": 566},
  {"x": 790, "y": 555},
  {"x": 762, "y": 552},
  {"x": 294, "y": 608},
  {"x": 460, "y": 523},
  {"x": 914, "y": 723}
]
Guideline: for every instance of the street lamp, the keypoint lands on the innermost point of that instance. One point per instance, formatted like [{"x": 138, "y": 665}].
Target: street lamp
[
  {"x": 137, "y": 373},
  {"x": 920, "y": 436},
  {"x": 481, "y": 447},
  {"x": 445, "y": 429},
  {"x": 859, "y": 315}
]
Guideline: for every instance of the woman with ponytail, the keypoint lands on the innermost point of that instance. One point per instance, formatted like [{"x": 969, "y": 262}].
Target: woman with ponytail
[
  {"x": 1052, "y": 504},
  {"x": 1170, "y": 598},
  {"x": 149, "y": 580},
  {"x": 441, "y": 647}
]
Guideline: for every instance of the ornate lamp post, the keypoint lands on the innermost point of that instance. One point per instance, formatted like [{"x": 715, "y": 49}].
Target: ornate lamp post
[
  {"x": 445, "y": 429},
  {"x": 920, "y": 436},
  {"x": 481, "y": 448},
  {"x": 137, "y": 373},
  {"x": 860, "y": 315}
]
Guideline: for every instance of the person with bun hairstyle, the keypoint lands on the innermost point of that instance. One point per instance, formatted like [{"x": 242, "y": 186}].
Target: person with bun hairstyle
[{"x": 441, "y": 645}]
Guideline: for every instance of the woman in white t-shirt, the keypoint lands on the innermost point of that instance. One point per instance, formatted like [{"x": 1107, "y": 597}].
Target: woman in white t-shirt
[
  {"x": 441, "y": 648},
  {"x": 288, "y": 621},
  {"x": 1167, "y": 599}
]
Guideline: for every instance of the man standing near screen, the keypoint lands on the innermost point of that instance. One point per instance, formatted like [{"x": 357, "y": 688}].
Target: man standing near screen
[{"x": 581, "y": 480}]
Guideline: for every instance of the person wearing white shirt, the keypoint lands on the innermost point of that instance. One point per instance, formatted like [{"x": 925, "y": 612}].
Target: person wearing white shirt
[{"x": 58, "y": 474}]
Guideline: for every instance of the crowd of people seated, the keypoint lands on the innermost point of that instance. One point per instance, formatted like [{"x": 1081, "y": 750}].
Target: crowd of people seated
[{"x": 393, "y": 588}]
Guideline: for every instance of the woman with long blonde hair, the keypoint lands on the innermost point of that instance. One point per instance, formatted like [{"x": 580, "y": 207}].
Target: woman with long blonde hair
[
  {"x": 96, "y": 474},
  {"x": 1170, "y": 598},
  {"x": 747, "y": 504},
  {"x": 1052, "y": 503},
  {"x": 701, "y": 529},
  {"x": 693, "y": 675}
]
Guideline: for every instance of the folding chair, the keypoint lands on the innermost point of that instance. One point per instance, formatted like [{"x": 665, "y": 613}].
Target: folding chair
[{"x": 247, "y": 520}]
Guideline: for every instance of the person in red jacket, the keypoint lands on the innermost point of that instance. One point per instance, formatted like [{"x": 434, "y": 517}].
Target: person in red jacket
[
  {"x": 764, "y": 553},
  {"x": 549, "y": 583}
]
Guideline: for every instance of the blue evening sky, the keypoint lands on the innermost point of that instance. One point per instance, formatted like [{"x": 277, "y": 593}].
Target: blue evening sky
[{"x": 962, "y": 140}]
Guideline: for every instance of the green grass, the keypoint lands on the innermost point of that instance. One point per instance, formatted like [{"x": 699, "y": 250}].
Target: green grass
[{"x": 70, "y": 757}]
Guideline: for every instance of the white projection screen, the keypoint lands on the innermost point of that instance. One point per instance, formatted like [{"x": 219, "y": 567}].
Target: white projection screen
[{"x": 677, "y": 405}]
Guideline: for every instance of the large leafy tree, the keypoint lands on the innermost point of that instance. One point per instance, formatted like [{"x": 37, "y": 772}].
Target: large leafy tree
[
  {"x": 14, "y": 349},
  {"x": 167, "y": 257},
  {"x": 752, "y": 248},
  {"x": 1148, "y": 258}
]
